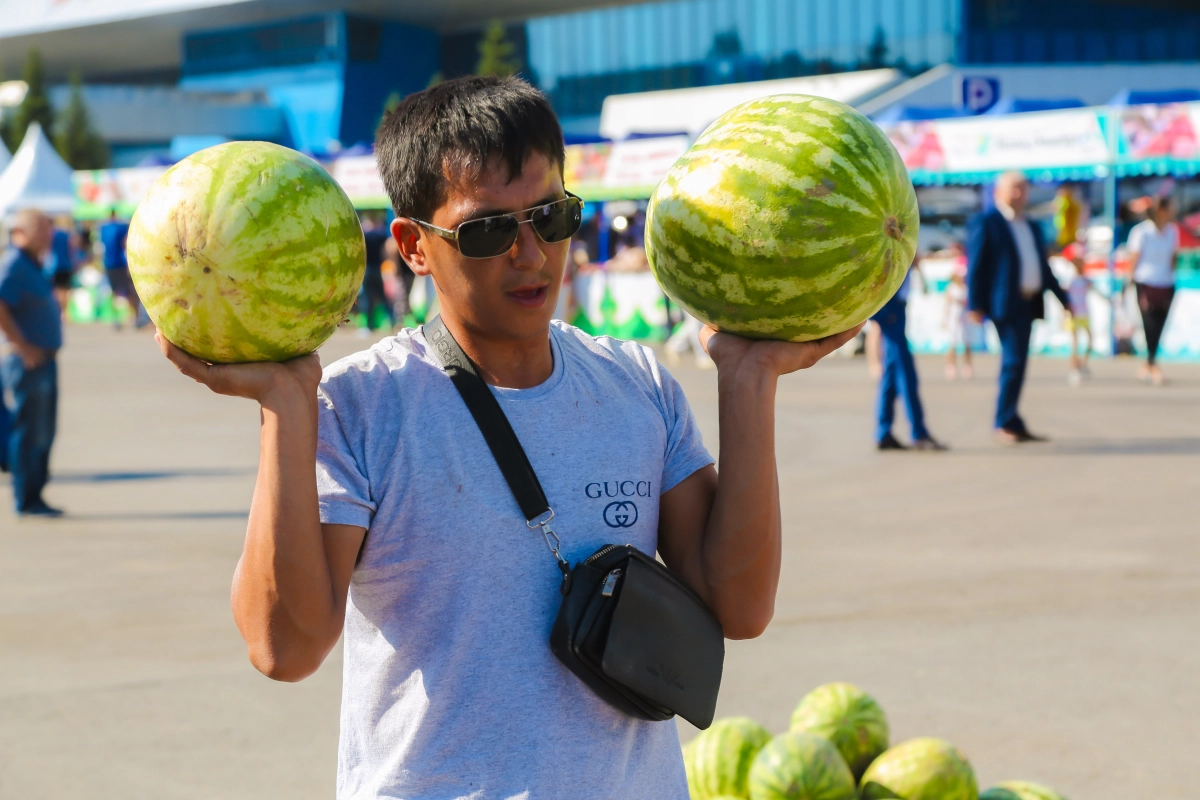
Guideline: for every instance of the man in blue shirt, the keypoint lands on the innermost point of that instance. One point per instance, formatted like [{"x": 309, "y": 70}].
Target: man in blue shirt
[
  {"x": 60, "y": 266},
  {"x": 112, "y": 236},
  {"x": 899, "y": 376},
  {"x": 31, "y": 322}
]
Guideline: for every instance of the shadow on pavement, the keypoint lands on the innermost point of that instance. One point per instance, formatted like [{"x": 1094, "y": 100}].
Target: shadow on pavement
[
  {"x": 1181, "y": 446},
  {"x": 136, "y": 516},
  {"x": 156, "y": 475}
]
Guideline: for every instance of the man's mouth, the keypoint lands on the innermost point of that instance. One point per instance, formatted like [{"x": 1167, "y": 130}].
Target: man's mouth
[{"x": 529, "y": 296}]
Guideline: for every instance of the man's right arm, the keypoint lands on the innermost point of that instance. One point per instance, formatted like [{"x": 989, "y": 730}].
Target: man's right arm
[
  {"x": 31, "y": 355},
  {"x": 291, "y": 584}
]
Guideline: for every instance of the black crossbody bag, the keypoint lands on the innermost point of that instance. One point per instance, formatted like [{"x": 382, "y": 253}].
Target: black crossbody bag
[{"x": 636, "y": 634}]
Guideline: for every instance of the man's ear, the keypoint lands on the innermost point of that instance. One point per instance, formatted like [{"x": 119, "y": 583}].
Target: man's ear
[{"x": 407, "y": 235}]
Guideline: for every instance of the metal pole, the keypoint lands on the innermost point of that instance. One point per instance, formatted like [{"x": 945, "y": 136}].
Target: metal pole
[
  {"x": 1110, "y": 213},
  {"x": 602, "y": 234}
]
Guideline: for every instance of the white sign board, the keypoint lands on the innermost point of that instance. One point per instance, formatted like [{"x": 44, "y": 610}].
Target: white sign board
[
  {"x": 642, "y": 162},
  {"x": 1023, "y": 141}
]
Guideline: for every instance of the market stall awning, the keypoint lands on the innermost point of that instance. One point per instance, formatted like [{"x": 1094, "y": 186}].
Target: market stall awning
[{"x": 1065, "y": 145}]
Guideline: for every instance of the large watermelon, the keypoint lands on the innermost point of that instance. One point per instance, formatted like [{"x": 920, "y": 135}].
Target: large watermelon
[
  {"x": 1020, "y": 790},
  {"x": 848, "y": 717},
  {"x": 718, "y": 760},
  {"x": 920, "y": 769},
  {"x": 800, "y": 766},
  {"x": 791, "y": 217},
  {"x": 246, "y": 251}
]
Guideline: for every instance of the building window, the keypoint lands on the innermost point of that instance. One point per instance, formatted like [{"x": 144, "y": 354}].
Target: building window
[{"x": 285, "y": 44}]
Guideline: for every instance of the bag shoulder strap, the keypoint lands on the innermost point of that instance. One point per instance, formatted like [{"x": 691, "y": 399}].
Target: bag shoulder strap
[{"x": 493, "y": 424}]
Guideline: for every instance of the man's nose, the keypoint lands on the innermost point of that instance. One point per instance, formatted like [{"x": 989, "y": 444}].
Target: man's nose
[{"x": 527, "y": 250}]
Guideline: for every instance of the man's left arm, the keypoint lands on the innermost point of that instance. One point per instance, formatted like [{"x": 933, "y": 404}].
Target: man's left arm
[
  {"x": 721, "y": 531},
  {"x": 1048, "y": 280}
]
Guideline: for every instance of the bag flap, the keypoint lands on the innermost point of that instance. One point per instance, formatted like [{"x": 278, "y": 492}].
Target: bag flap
[{"x": 663, "y": 643}]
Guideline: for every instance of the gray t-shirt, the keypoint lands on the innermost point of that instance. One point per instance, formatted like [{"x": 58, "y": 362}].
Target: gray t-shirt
[{"x": 450, "y": 689}]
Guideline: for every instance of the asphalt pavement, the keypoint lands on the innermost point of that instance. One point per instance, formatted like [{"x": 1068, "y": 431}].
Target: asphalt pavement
[{"x": 1039, "y": 606}]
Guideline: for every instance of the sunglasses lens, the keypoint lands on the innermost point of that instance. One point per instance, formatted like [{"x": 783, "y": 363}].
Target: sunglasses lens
[
  {"x": 486, "y": 238},
  {"x": 555, "y": 222}
]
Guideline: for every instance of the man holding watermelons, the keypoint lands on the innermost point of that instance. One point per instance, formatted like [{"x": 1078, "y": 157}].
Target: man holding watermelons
[{"x": 380, "y": 512}]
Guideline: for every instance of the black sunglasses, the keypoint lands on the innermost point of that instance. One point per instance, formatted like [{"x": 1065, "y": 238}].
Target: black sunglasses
[{"x": 489, "y": 237}]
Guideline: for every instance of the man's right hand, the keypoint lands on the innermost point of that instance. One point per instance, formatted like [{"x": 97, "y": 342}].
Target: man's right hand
[
  {"x": 262, "y": 381},
  {"x": 975, "y": 317},
  {"x": 31, "y": 355}
]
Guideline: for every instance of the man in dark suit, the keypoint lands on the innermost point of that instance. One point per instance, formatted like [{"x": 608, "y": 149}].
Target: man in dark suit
[{"x": 1007, "y": 277}]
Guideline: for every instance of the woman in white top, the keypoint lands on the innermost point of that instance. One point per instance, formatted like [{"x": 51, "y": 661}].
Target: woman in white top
[{"x": 1153, "y": 245}]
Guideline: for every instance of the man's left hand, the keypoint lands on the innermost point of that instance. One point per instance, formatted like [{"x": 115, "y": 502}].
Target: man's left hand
[
  {"x": 770, "y": 355},
  {"x": 31, "y": 355}
]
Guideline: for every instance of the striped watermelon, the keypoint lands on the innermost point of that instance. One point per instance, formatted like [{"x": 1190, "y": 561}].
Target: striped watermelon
[
  {"x": 848, "y": 717},
  {"x": 246, "y": 251},
  {"x": 920, "y": 769},
  {"x": 791, "y": 217},
  {"x": 718, "y": 760},
  {"x": 1020, "y": 790},
  {"x": 800, "y": 766}
]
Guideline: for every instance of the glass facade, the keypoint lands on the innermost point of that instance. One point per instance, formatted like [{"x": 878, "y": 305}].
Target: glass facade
[{"x": 578, "y": 58}]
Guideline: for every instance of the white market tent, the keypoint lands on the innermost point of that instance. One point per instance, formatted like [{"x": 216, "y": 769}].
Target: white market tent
[
  {"x": 5, "y": 157},
  {"x": 691, "y": 110},
  {"x": 36, "y": 177}
]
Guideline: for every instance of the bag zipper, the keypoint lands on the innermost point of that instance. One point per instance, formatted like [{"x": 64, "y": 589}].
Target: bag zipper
[{"x": 601, "y": 553}]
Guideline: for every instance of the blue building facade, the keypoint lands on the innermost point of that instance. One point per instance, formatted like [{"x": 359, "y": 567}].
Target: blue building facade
[
  {"x": 331, "y": 74},
  {"x": 1078, "y": 31}
]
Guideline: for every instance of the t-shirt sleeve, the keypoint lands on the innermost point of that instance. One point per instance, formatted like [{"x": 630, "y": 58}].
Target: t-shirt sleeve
[
  {"x": 9, "y": 290},
  {"x": 1134, "y": 243},
  {"x": 685, "y": 447},
  {"x": 343, "y": 492}
]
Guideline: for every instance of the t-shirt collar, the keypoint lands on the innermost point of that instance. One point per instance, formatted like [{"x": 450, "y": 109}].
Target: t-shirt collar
[{"x": 1007, "y": 211}]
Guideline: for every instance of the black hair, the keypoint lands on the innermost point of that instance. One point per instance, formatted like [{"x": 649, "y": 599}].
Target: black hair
[{"x": 461, "y": 125}]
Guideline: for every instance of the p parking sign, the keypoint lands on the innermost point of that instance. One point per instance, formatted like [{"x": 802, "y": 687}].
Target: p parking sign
[{"x": 978, "y": 93}]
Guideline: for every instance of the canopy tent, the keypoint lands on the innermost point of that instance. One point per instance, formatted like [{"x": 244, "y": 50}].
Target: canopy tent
[
  {"x": 37, "y": 177},
  {"x": 5, "y": 157},
  {"x": 1020, "y": 105},
  {"x": 917, "y": 114},
  {"x": 691, "y": 110}
]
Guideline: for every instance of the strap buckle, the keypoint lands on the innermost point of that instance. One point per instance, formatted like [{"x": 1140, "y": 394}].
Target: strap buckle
[{"x": 542, "y": 523}]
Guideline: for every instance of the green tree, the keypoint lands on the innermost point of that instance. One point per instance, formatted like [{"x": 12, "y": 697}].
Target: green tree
[
  {"x": 75, "y": 139},
  {"x": 36, "y": 105},
  {"x": 497, "y": 55}
]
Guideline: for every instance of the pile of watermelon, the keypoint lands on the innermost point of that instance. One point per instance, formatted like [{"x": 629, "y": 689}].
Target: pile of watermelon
[{"x": 836, "y": 748}]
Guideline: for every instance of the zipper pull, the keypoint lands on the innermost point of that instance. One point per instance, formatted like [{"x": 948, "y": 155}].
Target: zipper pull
[{"x": 610, "y": 583}]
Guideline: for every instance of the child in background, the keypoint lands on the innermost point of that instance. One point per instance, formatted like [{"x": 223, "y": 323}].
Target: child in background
[
  {"x": 1078, "y": 324},
  {"x": 955, "y": 321}
]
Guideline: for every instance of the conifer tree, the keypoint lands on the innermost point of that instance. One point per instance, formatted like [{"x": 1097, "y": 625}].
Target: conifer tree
[
  {"x": 36, "y": 105},
  {"x": 75, "y": 139},
  {"x": 878, "y": 49},
  {"x": 497, "y": 55}
]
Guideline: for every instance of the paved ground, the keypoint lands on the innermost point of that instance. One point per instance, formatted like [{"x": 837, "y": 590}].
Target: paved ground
[{"x": 1039, "y": 607}]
